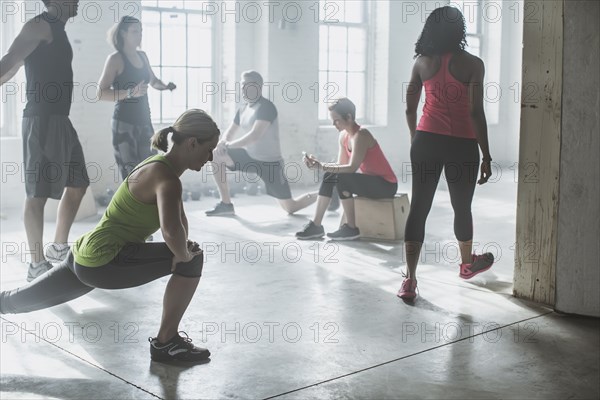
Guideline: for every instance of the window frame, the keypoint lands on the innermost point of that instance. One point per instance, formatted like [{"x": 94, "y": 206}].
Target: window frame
[
  {"x": 216, "y": 32},
  {"x": 366, "y": 26}
]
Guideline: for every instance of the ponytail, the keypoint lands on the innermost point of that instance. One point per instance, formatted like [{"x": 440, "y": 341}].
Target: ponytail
[
  {"x": 160, "y": 140},
  {"x": 192, "y": 123}
]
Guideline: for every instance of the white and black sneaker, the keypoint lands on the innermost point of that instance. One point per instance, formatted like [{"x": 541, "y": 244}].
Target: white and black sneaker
[
  {"x": 177, "y": 349},
  {"x": 57, "y": 252},
  {"x": 37, "y": 269},
  {"x": 345, "y": 233},
  {"x": 221, "y": 209},
  {"x": 310, "y": 231}
]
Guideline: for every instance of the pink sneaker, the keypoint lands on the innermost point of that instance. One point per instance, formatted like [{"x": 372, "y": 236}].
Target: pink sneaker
[
  {"x": 480, "y": 264},
  {"x": 408, "y": 290}
]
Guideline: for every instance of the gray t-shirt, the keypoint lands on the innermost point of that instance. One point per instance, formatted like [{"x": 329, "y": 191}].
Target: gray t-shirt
[{"x": 267, "y": 148}]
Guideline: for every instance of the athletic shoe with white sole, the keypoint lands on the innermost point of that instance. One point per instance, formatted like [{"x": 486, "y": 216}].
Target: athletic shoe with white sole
[
  {"x": 345, "y": 233},
  {"x": 57, "y": 252},
  {"x": 177, "y": 349},
  {"x": 310, "y": 231},
  {"x": 35, "y": 270}
]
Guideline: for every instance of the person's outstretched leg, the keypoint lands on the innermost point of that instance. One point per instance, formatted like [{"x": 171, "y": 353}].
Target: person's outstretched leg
[
  {"x": 293, "y": 205},
  {"x": 56, "y": 286}
]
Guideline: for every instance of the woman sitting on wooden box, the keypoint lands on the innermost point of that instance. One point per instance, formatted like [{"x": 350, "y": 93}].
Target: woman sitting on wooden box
[{"x": 361, "y": 169}]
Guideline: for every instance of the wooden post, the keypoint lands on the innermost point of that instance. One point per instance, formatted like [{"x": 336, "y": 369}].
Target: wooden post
[{"x": 539, "y": 153}]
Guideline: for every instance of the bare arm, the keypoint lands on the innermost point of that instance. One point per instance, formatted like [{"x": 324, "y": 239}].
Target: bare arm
[
  {"x": 31, "y": 36},
  {"x": 110, "y": 72},
  {"x": 477, "y": 110},
  {"x": 360, "y": 147},
  {"x": 479, "y": 121},
  {"x": 258, "y": 130},
  {"x": 170, "y": 210},
  {"x": 413, "y": 96}
]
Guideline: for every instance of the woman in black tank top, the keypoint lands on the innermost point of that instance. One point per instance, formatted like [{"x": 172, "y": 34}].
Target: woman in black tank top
[{"x": 125, "y": 80}]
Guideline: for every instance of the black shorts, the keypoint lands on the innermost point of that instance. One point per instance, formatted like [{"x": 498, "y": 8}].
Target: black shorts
[
  {"x": 271, "y": 172},
  {"x": 52, "y": 156}
]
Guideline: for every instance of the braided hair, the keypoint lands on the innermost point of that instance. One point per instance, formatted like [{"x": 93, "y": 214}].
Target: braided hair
[{"x": 444, "y": 32}]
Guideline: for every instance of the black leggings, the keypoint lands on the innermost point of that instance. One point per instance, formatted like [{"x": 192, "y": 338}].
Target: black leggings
[
  {"x": 373, "y": 187},
  {"x": 429, "y": 153},
  {"x": 135, "y": 265}
]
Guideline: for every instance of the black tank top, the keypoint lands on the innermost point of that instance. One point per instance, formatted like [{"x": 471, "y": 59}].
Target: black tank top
[
  {"x": 49, "y": 73},
  {"x": 137, "y": 110}
]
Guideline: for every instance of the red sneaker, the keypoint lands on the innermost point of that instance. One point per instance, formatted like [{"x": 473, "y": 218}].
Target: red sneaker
[
  {"x": 408, "y": 290},
  {"x": 480, "y": 264}
]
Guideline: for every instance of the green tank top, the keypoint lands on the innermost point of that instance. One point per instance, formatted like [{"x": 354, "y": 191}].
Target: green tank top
[{"x": 126, "y": 220}]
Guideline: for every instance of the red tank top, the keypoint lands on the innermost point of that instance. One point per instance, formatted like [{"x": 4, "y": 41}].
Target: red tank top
[
  {"x": 374, "y": 163},
  {"x": 446, "y": 109}
]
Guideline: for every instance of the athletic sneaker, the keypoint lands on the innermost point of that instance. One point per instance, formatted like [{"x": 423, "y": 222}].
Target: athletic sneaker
[
  {"x": 177, "y": 349},
  {"x": 408, "y": 290},
  {"x": 311, "y": 231},
  {"x": 345, "y": 233},
  {"x": 57, "y": 252},
  {"x": 480, "y": 264},
  {"x": 221, "y": 209},
  {"x": 35, "y": 270}
]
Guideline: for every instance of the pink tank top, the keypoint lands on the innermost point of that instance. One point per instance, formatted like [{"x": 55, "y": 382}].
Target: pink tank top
[
  {"x": 446, "y": 109},
  {"x": 374, "y": 163}
]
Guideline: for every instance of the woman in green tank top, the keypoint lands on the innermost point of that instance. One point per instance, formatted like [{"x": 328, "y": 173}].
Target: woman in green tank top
[{"x": 115, "y": 255}]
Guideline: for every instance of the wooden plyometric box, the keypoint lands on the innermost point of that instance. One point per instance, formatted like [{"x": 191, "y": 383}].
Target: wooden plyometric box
[{"x": 381, "y": 219}]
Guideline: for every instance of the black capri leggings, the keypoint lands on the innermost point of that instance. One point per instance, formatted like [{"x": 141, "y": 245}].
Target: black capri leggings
[
  {"x": 429, "y": 153},
  {"x": 135, "y": 265},
  {"x": 373, "y": 187}
]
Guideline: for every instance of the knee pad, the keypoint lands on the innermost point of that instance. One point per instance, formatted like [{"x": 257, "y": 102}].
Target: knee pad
[{"x": 192, "y": 268}]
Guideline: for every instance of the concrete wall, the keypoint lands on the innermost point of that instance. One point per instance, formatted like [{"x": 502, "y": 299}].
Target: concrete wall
[{"x": 577, "y": 271}]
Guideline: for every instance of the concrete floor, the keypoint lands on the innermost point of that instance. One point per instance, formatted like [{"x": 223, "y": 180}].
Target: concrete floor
[{"x": 299, "y": 320}]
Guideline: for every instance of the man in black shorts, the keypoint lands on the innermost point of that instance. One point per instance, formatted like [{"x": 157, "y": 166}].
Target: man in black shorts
[
  {"x": 52, "y": 154},
  {"x": 257, "y": 151}
]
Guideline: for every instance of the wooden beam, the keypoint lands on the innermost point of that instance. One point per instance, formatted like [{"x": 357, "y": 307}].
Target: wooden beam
[{"x": 539, "y": 152}]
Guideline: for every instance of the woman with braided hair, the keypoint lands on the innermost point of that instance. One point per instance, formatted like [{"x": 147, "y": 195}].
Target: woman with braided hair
[
  {"x": 114, "y": 254},
  {"x": 449, "y": 135}
]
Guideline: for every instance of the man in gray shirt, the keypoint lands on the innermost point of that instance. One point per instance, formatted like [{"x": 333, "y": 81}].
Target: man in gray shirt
[{"x": 257, "y": 150}]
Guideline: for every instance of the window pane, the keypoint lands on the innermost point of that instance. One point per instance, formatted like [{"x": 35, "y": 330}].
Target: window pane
[
  {"x": 323, "y": 112},
  {"x": 331, "y": 11},
  {"x": 148, "y": 3},
  {"x": 354, "y": 11},
  {"x": 171, "y": 3},
  {"x": 199, "y": 42},
  {"x": 473, "y": 45},
  {"x": 197, "y": 76},
  {"x": 173, "y": 30},
  {"x": 337, "y": 48},
  {"x": 357, "y": 47},
  {"x": 471, "y": 10},
  {"x": 174, "y": 103},
  {"x": 151, "y": 35},
  {"x": 323, "y": 47},
  {"x": 356, "y": 92},
  {"x": 337, "y": 88},
  {"x": 199, "y": 5}
]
